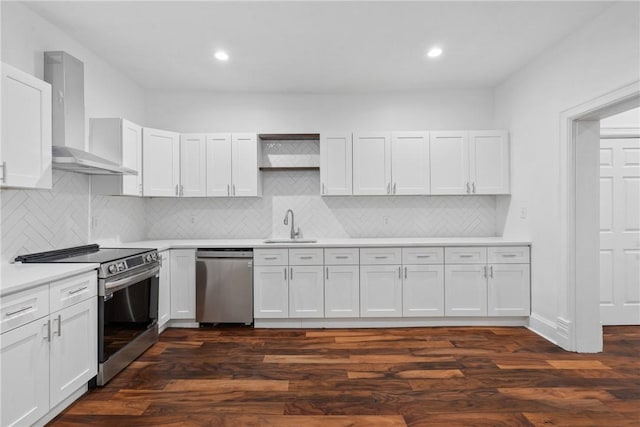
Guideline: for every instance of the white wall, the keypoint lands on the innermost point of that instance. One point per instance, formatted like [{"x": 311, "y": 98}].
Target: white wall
[
  {"x": 41, "y": 220},
  {"x": 598, "y": 58}
]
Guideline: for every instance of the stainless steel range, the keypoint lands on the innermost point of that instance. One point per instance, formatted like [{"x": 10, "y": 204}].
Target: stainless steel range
[{"x": 127, "y": 300}]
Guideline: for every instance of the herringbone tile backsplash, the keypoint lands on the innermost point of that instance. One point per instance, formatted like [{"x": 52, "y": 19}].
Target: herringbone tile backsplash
[{"x": 40, "y": 220}]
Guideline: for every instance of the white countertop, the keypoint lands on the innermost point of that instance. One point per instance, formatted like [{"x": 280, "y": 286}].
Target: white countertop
[
  {"x": 325, "y": 243},
  {"x": 18, "y": 277}
]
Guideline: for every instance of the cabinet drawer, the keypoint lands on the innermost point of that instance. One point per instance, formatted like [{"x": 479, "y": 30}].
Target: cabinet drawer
[
  {"x": 509, "y": 255},
  {"x": 422, "y": 256},
  {"x": 465, "y": 255},
  {"x": 23, "y": 307},
  {"x": 341, "y": 256},
  {"x": 70, "y": 291},
  {"x": 370, "y": 256},
  {"x": 271, "y": 256},
  {"x": 304, "y": 256}
]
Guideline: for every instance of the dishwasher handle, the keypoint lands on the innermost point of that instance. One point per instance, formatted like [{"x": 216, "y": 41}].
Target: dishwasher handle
[{"x": 229, "y": 253}]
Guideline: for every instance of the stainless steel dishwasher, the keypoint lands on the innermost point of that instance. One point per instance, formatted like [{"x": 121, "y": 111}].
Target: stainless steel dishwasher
[{"x": 224, "y": 286}]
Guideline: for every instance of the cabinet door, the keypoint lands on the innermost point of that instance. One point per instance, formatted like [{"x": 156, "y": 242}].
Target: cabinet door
[
  {"x": 161, "y": 162},
  {"x": 371, "y": 164},
  {"x": 183, "y": 283},
  {"x": 244, "y": 165},
  {"x": 219, "y": 165},
  {"x": 449, "y": 163},
  {"x": 132, "y": 158},
  {"x": 410, "y": 163},
  {"x": 489, "y": 162},
  {"x": 74, "y": 348},
  {"x": 336, "y": 171},
  {"x": 380, "y": 291},
  {"x": 164, "y": 296},
  {"x": 306, "y": 291},
  {"x": 193, "y": 162},
  {"x": 465, "y": 290},
  {"x": 423, "y": 290},
  {"x": 508, "y": 290},
  {"x": 24, "y": 364},
  {"x": 342, "y": 291},
  {"x": 270, "y": 292},
  {"x": 25, "y": 152}
]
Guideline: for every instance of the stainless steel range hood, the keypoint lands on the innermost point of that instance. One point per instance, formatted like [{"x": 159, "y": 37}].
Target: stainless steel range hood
[{"x": 66, "y": 75}]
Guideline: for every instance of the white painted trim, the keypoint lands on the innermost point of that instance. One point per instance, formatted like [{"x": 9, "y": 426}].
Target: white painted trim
[
  {"x": 390, "y": 322},
  {"x": 607, "y": 133},
  {"x": 568, "y": 290},
  {"x": 181, "y": 323},
  {"x": 544, "y": 327},
  {"x": 563, "y": 331}
]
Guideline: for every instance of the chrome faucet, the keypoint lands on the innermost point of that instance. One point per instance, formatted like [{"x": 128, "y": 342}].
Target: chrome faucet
[{"x": 294, "y": 233}]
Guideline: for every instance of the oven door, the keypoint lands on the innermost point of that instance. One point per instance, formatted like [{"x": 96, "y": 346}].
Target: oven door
[{"x": 127, "y": 308}]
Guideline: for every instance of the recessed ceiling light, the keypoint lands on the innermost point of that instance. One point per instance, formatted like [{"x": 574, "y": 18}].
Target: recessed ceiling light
[
  {"x": 434, "y": 52},
  {"x": 221, "y": 55}
]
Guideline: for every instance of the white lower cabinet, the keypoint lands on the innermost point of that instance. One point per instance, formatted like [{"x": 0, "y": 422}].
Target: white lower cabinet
[
  {"x": 508, "y": 290},
  {"x": 271, "y": 292},
  {"x": 24, "y": 364},
  {"x": 423, "y": 290},
  {"x": 164, "y": 291},
  {"x": 465, "y": 290},
  {"x": 306, "y": 291},
  {"x": 342, "y": 291},
  {"x": 183, "y": 283},
  {"x": 380, "y": 291}
]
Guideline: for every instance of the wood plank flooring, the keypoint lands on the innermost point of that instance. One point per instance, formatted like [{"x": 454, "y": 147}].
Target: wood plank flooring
[{"x": 369, "y": 377}]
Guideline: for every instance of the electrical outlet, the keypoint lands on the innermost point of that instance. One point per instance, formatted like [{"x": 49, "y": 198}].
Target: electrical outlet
[{"x": 385, "y": 220}]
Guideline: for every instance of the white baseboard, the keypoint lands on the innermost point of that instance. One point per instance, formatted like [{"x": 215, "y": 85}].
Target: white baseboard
[
  {"x": 547, "y": 329},
  {"x": 62, "y": 406},
  {"x": 388, "y": 322},
  {"x": 181, "y": 323}
]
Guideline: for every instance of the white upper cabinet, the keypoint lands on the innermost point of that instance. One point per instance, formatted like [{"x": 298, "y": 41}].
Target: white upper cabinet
[
  {"x": 489, "y": 162},
  {"x": 336, "y": 160},
  {"x": 161, "y": 162},
  {"x": 449, "y": 162},
  {"x": 410, "y": 163},
  {"x": 219, "y": 165},
  {"x": 232, "y": 165},
  {"x": 193, "y": 162},
  {"x": 118, "y": 140},
  {"x": 25, "y": 150},
  {"x": 371, "y": 164},
  {"x": 470, "y": 162}
]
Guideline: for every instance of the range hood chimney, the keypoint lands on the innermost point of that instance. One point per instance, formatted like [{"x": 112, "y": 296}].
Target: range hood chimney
[{"x": 66, "y": 75}]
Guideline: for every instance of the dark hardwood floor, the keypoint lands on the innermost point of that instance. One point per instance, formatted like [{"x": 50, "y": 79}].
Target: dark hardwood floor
[{"x": 369, "y": 377}]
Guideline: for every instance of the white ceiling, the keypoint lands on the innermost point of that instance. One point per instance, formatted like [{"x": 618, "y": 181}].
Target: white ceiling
[{"x": 317, "y": 46}]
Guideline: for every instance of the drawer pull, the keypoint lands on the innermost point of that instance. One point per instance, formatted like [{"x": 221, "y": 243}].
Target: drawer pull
[
  {"x": 271, "y": 257},
  {"x": 306, "y": 257},
  {"x": 341, "y": 257},
  {"x": 382, "y": 257},
  {"x": 465, "y": 256},
  {"x": 423, "y": 256},
  {"x": 508, "y": 255},
  {"x": 11, "y": 313},
  {"x": 78, "y": 290}
]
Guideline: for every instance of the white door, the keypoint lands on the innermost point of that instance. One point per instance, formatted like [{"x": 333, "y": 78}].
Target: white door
[
  {"x": 342, "y": 291},
  {"x": 465, "y": 290},
  {"x": 508, "y": 290},
  {"x": 336, "y": 171},
  {"x": 219, "y": 165},
  {"x": 489, "y": 162},
  {"x": 193, "y": 160},
  {"x": 423, "y": 290},
  {"x": 244, "y": 164},
  {"x": 449, "y": 156},
  {"x": 410, "y": 163},
  {"x": 183, "y": 283},
  {"x": 380, "y": 291},
  {"x": 620, "y": 231},
  {"x": 26, "y": 130},
  {"x": 74, "y": 348},
  {"x": 270, "y": 292},
  {"x": 24, "y": 365},
  {"x": 161, "y": 162},
  {"x": 371, "y": 164},
  {"x": 164, "y": 292},
  {"x": 132, "y": 158},
  {"x": 306, "y": 291}
]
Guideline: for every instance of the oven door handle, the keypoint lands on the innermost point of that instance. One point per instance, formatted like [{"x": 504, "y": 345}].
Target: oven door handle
[{"x": 127, "y": 281}]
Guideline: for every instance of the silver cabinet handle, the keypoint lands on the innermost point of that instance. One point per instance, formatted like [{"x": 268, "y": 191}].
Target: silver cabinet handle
[
  {"x": 491, "y": 271},
  {"x": 4, "y": 172},
  {"x": 306, "y": 257},
  {"x": 473, "y": 187},
  {"x": 176, "y": 189},
  {"x": 327, "y": 273},
  {"x": 20, "y": 310},
  {"x": 423, "y": 256},
  {"x": 48, "y": 325},
  {"x": 291, "y": 273},
  {"x": 181, "y": 190},
  {"x": 465, "y": 256},
  {"x": 228, "y": 190},
  {"x": 78, "y": 290},
  {"x": 485, "y": 271},
  {"x": 234, "y": 189},
  {"x": 405, "y": 272},
  {"x": 270, "y": 257},
  {"x": 388, "y": 188},
  {"x": 59, "y": 325},
  {"x": 285, "y": 274},
  {"x": 508, "y": 255},
  {"x": 468, "y": 190},
  {"x": 399, "y": 272},
  {"x": 394, "y": 187},
  {"x": 341, "y": 257},
  {"x": 381, "y": 257},
  {"x": 323, "y": 188}
]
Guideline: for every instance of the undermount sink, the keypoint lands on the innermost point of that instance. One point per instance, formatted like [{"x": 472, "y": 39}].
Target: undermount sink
[{"x": 290, "y": 241}]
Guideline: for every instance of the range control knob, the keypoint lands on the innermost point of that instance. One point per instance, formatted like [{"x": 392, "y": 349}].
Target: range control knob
[
  {"x": 148, "y": 258},
  {"x": 121, "y": 266},
  {"x": 112, "y": 268},
  {"x": 154, "y": 256}
]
